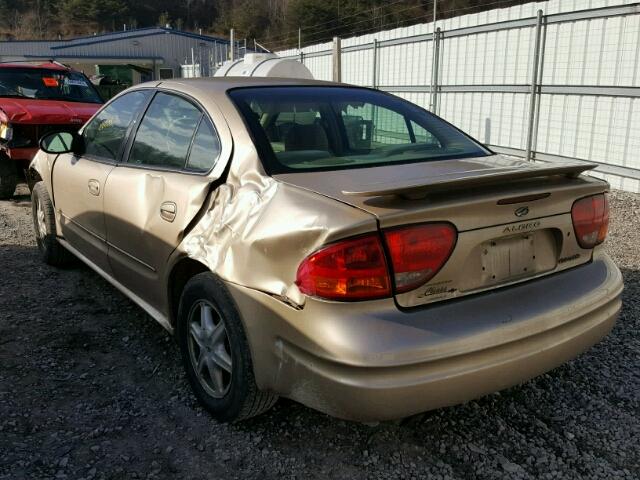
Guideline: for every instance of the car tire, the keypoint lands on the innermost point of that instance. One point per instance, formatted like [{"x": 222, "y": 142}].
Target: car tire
[
  {"x": 215, "y": 352},
  {"x": 8, "y": 178},
  {"x": 44, "y": 225}
]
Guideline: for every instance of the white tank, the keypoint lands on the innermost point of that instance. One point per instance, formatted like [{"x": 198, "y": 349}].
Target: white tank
[{"x": 264, "y": 65}]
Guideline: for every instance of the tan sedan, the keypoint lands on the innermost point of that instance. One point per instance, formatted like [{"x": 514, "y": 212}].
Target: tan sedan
[{"x": 331, "y": 244}]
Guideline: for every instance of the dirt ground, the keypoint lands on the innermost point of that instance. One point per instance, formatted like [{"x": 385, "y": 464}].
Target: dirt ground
[{"x": 90, "y": 387}]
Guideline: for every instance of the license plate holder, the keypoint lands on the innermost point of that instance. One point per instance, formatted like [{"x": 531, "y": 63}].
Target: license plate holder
[{"x": 508, "y": 258}]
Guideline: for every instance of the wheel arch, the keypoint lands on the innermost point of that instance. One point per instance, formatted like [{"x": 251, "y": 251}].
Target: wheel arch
[
  {"x": 181, "y": 272},
  {"x": 184, "y": 270},
  {"x": 40, "y": 170},
  {"x": 33, "y": 177}
]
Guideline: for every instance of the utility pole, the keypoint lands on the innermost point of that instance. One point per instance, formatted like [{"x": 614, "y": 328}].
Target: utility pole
[
  {"x": 434, "y": 73},
  {"x": 299, "y": 39},
  {"x": 337, "y": 60},
  {"x": 231, "y": 44},
  {"x": 534, "y": 86}
]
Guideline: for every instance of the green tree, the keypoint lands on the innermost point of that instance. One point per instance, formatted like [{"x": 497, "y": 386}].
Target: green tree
[
  {"x": 251, "y": 18},
  {"x": 274, "y": 23},
  {"x": 164, "y": 19},
  {"x": 98, "y": 14},
  {"x": 321, "y": 20}
]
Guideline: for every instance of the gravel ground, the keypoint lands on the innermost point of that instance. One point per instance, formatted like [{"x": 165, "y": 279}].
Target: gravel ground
[{"x": 92, "y": 388}]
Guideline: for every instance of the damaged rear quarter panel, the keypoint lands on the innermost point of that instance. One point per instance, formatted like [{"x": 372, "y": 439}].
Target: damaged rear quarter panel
[
  {"x": 256, "y": 233},
  {"x": 256, "y": 230}
]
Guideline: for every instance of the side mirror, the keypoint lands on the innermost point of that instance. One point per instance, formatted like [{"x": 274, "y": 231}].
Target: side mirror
[{"x": 61, "y": 142}]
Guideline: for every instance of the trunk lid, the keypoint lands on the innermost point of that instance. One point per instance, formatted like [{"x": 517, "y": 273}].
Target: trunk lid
[{"x": 513, "y": 217}]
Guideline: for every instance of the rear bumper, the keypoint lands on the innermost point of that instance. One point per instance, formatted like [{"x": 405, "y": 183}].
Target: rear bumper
[{"x": 369, "y": 361}]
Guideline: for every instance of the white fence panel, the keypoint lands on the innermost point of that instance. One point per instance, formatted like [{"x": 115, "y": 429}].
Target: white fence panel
[{"x": 588, "y": 48}]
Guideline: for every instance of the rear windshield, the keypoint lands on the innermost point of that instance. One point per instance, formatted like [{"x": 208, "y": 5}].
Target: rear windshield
[
  {"x": 330, "y": 128},
  {"x": 44, "y": 84}
]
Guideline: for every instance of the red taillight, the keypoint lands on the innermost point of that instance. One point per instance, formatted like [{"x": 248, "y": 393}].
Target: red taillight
[
  {"x": 419, "y": 252},
  {"x": 352, "y": 269},
  {"x": 590, "y": 218}
]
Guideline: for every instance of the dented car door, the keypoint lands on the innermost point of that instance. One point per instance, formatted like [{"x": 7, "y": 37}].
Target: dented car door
[{"x": 156, "y": 192}]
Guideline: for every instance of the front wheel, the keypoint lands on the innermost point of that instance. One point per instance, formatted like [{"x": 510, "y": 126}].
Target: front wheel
[
  {"x": 45, "y": 227},
  {"x": 215, "y": 352}
]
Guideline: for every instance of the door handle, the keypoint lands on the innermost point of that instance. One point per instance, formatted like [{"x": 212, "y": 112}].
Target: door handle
[
  {"x": 168, "y": 211},
  {"x": 94, "y": 187}
]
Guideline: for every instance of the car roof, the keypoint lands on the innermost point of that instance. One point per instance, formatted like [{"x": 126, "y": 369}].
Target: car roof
[
  {"x": 47, "y": 65},
  {"x": 220, "y": 85}
]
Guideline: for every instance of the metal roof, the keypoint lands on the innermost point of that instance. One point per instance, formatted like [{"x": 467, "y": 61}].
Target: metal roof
[
  {"x": 130, "y": 34},
  {"x": 159, "y": 44}
]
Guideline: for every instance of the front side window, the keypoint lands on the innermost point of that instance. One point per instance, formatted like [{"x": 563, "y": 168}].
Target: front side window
[
  {"x": 325, "y": 128},
  {"x": 47, "y": 84},
  {"x": 165, "y": 134},
  {"x": 105, "y": 134}
]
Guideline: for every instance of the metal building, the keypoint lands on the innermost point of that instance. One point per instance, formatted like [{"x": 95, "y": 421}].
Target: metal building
[{"x": 148, "y": 53}]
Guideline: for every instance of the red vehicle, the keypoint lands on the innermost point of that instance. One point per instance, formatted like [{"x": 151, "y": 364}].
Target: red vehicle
[{"x": 35, "y": 99}]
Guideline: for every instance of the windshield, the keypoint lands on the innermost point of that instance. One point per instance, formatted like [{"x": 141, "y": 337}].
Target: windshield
[
  {"x": 44, "y": 84},
  {"x": 329, "y": 128}
]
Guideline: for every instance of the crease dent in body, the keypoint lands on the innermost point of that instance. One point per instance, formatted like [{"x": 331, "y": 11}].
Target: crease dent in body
[{"x": 226, "y": 236}]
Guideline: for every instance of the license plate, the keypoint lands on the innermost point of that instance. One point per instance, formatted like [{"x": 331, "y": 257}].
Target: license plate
[{"x": 508, "y": 258}]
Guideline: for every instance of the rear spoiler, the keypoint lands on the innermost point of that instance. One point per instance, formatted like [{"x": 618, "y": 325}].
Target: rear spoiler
[{"x": 469, "y": 179}]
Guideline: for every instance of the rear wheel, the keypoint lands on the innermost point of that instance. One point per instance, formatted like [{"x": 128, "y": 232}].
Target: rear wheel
[
  {"x": 45, "y": 227},
  {"x": 215, "y": 352},
  {"x": 8, "y": 178}
]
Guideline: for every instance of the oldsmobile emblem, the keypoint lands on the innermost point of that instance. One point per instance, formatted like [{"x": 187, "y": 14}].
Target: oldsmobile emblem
[{"x": 522, "y": 211}]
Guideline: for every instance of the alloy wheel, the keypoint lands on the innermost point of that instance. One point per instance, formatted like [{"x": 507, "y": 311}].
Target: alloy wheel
[
  {"x": 209, "y": 349},
  {"x": 40, "y": 219}
]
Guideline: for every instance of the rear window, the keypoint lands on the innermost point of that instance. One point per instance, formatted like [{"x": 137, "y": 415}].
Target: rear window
[{"x": 330, "y": 128}]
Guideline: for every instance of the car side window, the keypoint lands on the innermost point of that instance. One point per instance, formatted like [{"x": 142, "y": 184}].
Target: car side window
[
  {"x": 105, "y": 134},
  {"x": 205, "y": 149},
  {"x": 165, "y": 133}
]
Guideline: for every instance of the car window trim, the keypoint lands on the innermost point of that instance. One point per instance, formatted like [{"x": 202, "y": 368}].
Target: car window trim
[
  {"x": 203, "y": 118},
  {"x": 105, "y": 160},
  {"x": 124, "y": 162},
  {"x": 193, "y": 139},
  {"x": 133, "y": 130},
  {"x": 205, "y": 114},
  {"x": 412, "y": 135}
]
